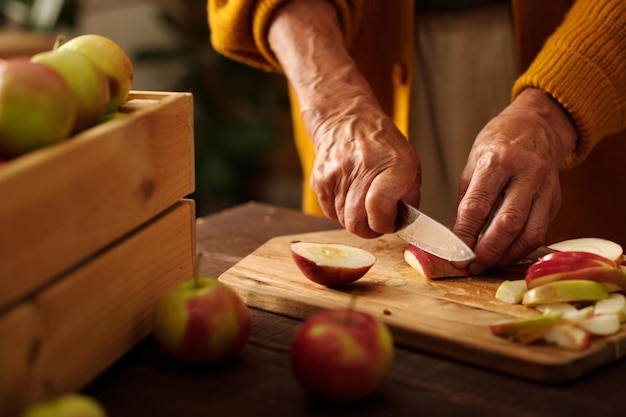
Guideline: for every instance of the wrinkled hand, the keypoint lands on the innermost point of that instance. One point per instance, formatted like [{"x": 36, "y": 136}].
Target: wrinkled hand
[
  {"x": 513, "y": 170},
  {"x": 363, "y": 165}
]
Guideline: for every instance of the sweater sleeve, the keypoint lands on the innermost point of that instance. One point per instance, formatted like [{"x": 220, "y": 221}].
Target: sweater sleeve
[
  {"x": 239, "y": 28},
  {"x": 583, "y": 66}
]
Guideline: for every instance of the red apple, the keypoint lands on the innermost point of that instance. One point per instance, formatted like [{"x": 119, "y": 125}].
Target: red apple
[
  {"x": 67, "y": 405},
  {"x": 201, "y": 321},
  {"x": 342, "y": 354},
  {"x": 431, "y": 266},
  {"x": 37, "y": 107},
  {"x": 331, "y": 264}
]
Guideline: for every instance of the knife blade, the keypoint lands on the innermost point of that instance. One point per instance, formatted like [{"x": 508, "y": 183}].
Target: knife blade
[{"x": 417, "y": 229}]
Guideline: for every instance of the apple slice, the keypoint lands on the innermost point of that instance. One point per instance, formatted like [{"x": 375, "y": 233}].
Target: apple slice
[
  {"x": 565, "y": 292},
  {"x": 568, "y": 335},
  {"x": 557, "y": 262},
  {"x": 614, "y": 304},
  {"x": 331, "y": 264},
  {"x": 614, "y": 278},
  {"x": 602, "y": 325},
  {"x": 526, "y": 329},
  {"x": 511, "y": 292},
  {"x": 603, "y": 247},
  {"x": 431, "y": 266}
]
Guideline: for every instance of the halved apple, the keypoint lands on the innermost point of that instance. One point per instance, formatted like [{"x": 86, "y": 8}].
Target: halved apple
[
  {"x": 431, "y": 266},
  {"x": 565, "y": 291},
  {"x": 603, "y": 247},
  {"x": 331, "y": 264},
  {"x": 526, "y": 329}
]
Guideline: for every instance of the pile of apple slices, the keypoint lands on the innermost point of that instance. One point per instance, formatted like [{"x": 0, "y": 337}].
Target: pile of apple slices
[{"x": 579, "y": 289}]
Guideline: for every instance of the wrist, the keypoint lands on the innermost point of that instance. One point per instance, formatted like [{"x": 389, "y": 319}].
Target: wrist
[{"x": 554, "y": 115}]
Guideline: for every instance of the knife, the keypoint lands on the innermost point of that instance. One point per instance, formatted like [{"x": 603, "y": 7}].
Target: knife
[{"x": 417, "y": 229}]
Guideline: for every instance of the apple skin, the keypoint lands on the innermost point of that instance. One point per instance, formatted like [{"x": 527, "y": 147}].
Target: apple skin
[
  {"x": 36, "y": 107},
  {"x": 526, "y": 329},
  {"x": 565, "y": 291},
  {"x": 111, "y": 59},
  {"x": 331, "y": 264},
  {"x": 67, "y": 405},
  {"x": 201, "y": 321},
  {"x": 342, "y": 354},
  {"x": 613, "y": 278},
  {"x": 432, "y": 266},
  {"x": 86, "y": 81}
]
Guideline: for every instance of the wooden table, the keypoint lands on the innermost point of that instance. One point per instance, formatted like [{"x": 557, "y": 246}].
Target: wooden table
[{"x": 259, "y": 382}]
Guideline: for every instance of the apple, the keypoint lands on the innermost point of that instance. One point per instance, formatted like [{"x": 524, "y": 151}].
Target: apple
[
  {"x": 342, "y": 354},
  {"x": 601, "y": 325},
  {"x": 86, "y": 81},
  {"x": 556, "y": 262},
  {"x": 201, "y": 321},
  {"x": 111, "y": 59},
  {"x": 331, "y": 264},
  {"x": 565, "y": 291},
  {"x": 569, "y": 336},
  {"x": 613, "y": 278},
  {"x": 511, "y": 291},
  {"x": 599, "y": 246},
  {"x": 525, "y": 330},
  {"x": 431, "y": 266},
  {"x": 66, "y": 405},
  {"x": 614, "y": 304},
  {"x": 36, "y": 107}
]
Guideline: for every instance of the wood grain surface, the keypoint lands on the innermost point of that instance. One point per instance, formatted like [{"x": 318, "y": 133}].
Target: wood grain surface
[{"x": 446, "y": 317}]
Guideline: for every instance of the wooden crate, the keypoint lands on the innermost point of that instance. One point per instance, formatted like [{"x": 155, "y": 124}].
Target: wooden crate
[
  {"x": 92, "y": 232},
  {"x": 63, "y": 203}
]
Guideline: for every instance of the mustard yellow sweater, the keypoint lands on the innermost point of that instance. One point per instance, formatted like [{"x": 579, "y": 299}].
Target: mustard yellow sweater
[{"x": 582, "y": 65}]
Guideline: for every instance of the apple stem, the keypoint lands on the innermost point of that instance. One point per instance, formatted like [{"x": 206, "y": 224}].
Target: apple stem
[{"x": 60, "y": 40}]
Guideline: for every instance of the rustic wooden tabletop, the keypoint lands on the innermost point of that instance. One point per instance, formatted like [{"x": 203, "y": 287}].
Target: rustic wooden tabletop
[{"x": 259, "y": 381}]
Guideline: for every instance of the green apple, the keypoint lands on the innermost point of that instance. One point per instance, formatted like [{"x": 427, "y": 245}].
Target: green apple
[
  {"x": 86, "y": 80},
  {"x": 331, "y": 264},
  {"x": 431, "y": 266},
  {"x": 67, "y": 405},
  {"x": 342, "y": 354},
  {"x": 565, "y": 291},
  {"x": 37, "y": 107},
  {"x": 201, "y": 321},
  {"x": 111, "y": 59}
]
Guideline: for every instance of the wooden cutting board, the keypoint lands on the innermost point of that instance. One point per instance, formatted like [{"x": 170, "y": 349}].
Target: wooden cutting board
[{"x": 445, "y": 317}]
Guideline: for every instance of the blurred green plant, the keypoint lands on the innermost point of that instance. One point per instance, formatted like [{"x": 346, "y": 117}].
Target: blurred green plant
[{"x": 241, "y": 113}]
